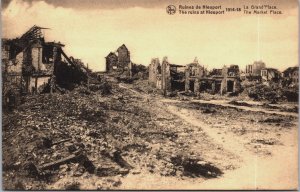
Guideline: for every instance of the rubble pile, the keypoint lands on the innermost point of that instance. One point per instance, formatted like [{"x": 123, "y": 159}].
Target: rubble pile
[
  {"x": 52, "y": 131},
  {"x": 84, "y": 133},
  {"x": 194, "y": 167},
  {"x": 273, "y": 93}
]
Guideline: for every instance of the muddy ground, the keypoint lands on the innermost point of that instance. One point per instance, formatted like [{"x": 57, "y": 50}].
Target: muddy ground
[{"x": 134, "y": 138}]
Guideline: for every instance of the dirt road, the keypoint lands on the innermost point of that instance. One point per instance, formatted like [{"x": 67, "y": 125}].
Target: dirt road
[
  {"x": 259, "y": 166},
  {"x": 256, "y": 172}
]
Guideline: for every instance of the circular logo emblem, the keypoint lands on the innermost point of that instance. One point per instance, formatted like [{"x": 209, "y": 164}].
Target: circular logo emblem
[{"x": 171, "y": 9}]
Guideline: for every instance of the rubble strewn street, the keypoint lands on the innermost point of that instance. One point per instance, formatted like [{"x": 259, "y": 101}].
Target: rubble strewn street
[
  {"x": 144, "y": 126},
  {"x": 88, "y": 140}
]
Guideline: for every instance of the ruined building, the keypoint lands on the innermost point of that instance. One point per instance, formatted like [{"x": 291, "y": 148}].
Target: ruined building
[
  {"x": 172, "y": 77},
  {"x": 231, "y": 82},
  {"x": 123, "y": 57},
  {"x": 218, "y": 81},
  {"x": 221, "y": 81},
  {"x": 193, "y": 78},
  {"x": 291, "y": 76},
  {"x": 270, "y": 74},
  {"x": 111, "y": 62},
  {"x": 166, "y": 76},
  {"x": 155, "y": 73},
  {"x": 212, "y": 82},
  {"x": 32, "y": 65},
  {"x": 119, "y": 62},
  {"x": 253, "y": 71},
  {"x": 193, "y": 74}
]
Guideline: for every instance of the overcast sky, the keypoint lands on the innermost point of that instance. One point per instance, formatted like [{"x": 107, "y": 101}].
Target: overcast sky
[{"x": 90, "y": 29}]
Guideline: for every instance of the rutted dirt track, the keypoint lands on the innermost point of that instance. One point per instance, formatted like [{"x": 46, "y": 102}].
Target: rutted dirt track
[
  {"x": 140, "y": 141},
  {"x": 258, "y": 167},
  {"x": 255, "y": 172}
]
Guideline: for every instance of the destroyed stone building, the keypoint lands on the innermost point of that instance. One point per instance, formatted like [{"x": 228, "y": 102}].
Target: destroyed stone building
[
  {"x": 119, "y": 61},
  {"x": 193, "y": 73},
  {"x": 111, "y": 62},
  {"x": 155, "y": 73},
  {"x": 193, "y": 78},
  {"x": 291, "y": 75},
  {"x": 32, "y": 65},
  {"x": 168, "y": 77},
  {"x": 253, "y": 71},
  {"x": 260, "y": 73},
  {"x": 270, "y": 74},
  {"x": 231, "y": 79},
  {"x": 221, "y": 81},
  {"x": 172, "y": 77},
  {"x": 123, "y": 56}
]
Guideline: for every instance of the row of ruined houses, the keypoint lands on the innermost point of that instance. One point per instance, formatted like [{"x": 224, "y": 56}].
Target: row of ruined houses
[
  {"x": 32, "y": 65},
  {"x": 195, "y": 78},
  {"x": 259, "y": 72}
]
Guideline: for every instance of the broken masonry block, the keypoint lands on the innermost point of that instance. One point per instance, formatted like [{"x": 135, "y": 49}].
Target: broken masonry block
[
  {"x": 110, "y": 171},
  {"x": 76, "y": 157},
  {"x": 56, "y": 164},
  {"x": 61, "y": 141},
  {"x": 47, "y": 142},
  {"x": 44, "y": 142},
  {"x": 116, "y": 156},
  {"x": 87, "y": 164},
  {"x": 31, "y": 169},
  {"x": 80, "y": 145},
  {"x": 119, "y": 159},
  {"x": 71, "y": 148}
]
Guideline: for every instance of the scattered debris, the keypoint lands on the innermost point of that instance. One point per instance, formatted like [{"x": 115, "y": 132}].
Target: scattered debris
[
  {"x": 72, "y": 186},
  {"x": 195, "y": 167},
  {"x": 272, "y": 120},
  {"x": 240, "y": 103},
  {"x": 270, "y": 141}
]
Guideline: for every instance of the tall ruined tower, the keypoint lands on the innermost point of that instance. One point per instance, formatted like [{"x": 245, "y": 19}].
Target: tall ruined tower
[{"x": 123, "y": 57}]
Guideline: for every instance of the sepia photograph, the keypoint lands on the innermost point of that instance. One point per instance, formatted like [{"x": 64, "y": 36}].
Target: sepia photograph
[{"x": 149, "y": 94}]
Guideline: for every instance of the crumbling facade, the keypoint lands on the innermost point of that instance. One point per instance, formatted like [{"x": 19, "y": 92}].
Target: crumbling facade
[
  {"x": 28, "y": 63},
  {"x": 231, "y": 79},
  {"x": 255, "y": 68},
  {"x": 11, "y": 73},
  {"x": 119, "y": 61},
  {"x": 111, "y": 62},
  {"x": 31, "y": 65},
  {"x": 270, "y": 74},
  {"x": 166, "y": 76},
  {"x": 123, "y": 56},
  {"x": 193, "y": 74},
  {"x": 193, "y": 78},
  {"x": 155, "y": 73},
  {"x": 221, "y": 81},
  {"x": 253, "y": 71},
  {"x": 291, "y": 75}
]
